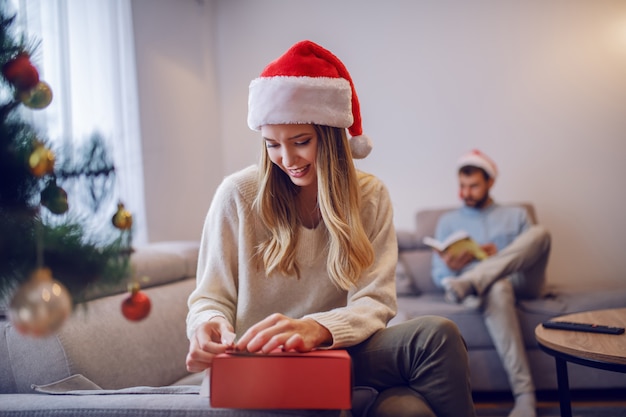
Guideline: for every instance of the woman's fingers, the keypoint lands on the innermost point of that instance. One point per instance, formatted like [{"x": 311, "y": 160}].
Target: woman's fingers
[
  {"x": 279, "y": 331},
  {"x": 207, "y": 342}
]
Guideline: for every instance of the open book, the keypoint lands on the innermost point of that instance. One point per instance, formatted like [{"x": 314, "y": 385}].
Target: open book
[{"x": 457, "y": 242}]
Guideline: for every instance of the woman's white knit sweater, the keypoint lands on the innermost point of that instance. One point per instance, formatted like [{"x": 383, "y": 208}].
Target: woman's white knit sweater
[{"x": 231, "y": 284}]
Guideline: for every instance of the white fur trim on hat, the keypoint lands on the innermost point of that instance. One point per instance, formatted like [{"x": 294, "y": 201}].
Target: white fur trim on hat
[
  {"x": 308, "y": 84},
  {"x": 299, "y": 100},
  {"x": 478, "y": 159}
]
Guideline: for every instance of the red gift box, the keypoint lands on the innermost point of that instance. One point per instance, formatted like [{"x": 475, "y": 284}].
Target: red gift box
[{"x": 321, "y": 379}]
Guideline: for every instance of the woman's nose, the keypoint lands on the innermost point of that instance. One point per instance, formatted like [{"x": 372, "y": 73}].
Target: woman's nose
[{"x": 289, "y": 156}]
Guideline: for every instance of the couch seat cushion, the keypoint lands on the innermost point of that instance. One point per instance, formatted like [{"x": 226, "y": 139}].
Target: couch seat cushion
[
  {"x": 132, "y": 405},
  {"x": 469, "y": 320}
]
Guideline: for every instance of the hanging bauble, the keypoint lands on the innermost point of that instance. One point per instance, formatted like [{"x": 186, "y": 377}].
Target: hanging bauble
[
  {"x": 21, "y": 73},
  {"x": 137, "y": 305},
  {"x": 38, "y": 97},
  {"x": 122, "y": 219},
  {"x": 54, "y": 198},
  {"x": 41, "y": 305},
  {"x": 41, "y": 160}
]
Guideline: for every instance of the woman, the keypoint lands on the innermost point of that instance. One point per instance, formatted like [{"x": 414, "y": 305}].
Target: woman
[{"x": 300, "y": 252}]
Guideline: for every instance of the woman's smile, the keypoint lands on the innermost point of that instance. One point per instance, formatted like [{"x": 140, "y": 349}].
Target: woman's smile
[{"x": 299, "y": 172}]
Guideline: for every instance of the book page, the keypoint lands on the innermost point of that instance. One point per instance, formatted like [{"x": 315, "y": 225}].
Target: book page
[{"x": 442, "y": 246}]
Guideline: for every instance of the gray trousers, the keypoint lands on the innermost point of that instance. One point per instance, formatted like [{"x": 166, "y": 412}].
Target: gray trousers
[
  {"x": 523, "y": 264},
  {"x": 420, "y": 367}
]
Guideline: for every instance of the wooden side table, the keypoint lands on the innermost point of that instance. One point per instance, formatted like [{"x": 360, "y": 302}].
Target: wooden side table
[{"x": 596, "y": 350}]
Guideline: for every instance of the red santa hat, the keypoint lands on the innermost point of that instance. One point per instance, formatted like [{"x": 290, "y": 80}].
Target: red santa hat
[
  {"x": 476, "y": 158},
  {"x": 308, "y": 84}
]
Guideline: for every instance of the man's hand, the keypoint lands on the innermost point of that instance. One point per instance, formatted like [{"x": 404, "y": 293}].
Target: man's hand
[
  {"x": 210, "y": 339},
  {"x": 457, "y": 261},
  {"x": 490, "y": 249},
  {"x": 278, "y": 330}
]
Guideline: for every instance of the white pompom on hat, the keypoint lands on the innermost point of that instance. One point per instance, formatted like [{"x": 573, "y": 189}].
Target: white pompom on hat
[
  {"x": 308, "y": 84},
  {"x": 476, "y": 158}
]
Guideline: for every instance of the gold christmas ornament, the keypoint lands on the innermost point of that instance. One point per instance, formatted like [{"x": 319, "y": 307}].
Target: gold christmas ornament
[
  {"x": 122, "y": 219},
  {"x": 54, "y": 198},
  {"x": 36, "y": 98},
  {"x": 41, "y": 305},
  {"x": 41, "y": 160}
]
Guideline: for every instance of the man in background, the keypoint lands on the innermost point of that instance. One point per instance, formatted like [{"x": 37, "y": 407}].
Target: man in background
[{"x": 514, "y": 269}]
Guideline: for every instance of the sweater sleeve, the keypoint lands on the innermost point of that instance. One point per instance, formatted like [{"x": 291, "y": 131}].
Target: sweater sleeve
[
  {"x": 216, "y": 288},
  {"x": 372, "y": 302}
]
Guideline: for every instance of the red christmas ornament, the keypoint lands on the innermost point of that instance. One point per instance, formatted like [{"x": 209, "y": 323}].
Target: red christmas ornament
[
  {"x": 137, "y": 305},
  {"x": 21, "y": 73}
]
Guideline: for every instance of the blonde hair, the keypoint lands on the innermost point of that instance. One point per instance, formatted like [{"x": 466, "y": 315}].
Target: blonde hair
[{"x": 339, "y": 196}]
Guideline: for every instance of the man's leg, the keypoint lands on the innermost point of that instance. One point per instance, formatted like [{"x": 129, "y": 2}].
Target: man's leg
[
  {"x": 503, "y": 326},
  {"x": 527, "y": 254},
  {"x": 426, "y": 358}
]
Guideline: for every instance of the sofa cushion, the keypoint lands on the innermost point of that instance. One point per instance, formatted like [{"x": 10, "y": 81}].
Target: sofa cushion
[
  {"x": 136, "y": 352},
  {"x": 407, "y": 240},
  {"x": 99, "y": 343},
  {"x": 469, "y": 320},
  {"x": 404, "y": 281},
  {"x": 426, "y": 223},
  {"x": 417, "y": 265},
  {"x": 155, "y": 264}
]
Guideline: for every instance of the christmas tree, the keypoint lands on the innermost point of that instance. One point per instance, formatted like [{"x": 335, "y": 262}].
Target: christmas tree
[{"x": 51, "y": 256}]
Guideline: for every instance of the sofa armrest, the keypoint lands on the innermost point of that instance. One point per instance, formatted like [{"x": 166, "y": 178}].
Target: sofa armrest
[{"x": 98, "y": 342}]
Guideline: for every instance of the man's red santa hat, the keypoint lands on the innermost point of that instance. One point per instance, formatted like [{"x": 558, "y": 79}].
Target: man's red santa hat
[
  {"x": 308, "y": 84},
  {"x": 476, "y": 158}
]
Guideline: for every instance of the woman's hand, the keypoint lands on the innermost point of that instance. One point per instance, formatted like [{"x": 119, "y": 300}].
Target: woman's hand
[
  {"x": 210, "y": 339},
  {"x": 278, "y": 330}
]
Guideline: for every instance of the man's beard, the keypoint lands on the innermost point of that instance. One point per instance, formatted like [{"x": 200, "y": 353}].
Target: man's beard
[{"x": 477, "y": 203}]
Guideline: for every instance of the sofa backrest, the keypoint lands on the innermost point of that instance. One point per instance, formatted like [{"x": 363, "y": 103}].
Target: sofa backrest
[{"x": 413, "y": 275}]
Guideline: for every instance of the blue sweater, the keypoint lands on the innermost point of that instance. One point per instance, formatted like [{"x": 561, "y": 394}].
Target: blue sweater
[{"x": 495, "y": 224}]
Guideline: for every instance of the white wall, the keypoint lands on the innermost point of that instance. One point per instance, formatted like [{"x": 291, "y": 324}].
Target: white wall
[
  {"x": 538, "y": 85},
  {"x": 182, "y": 151}
]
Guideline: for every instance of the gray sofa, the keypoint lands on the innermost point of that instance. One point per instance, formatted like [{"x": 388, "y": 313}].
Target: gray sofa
[
  {"x": 418, "y": 295},
  {"x": 100, "y": 364}
]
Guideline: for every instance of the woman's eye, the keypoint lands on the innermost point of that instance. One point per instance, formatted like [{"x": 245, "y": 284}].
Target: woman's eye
[
  {"x": 305, "y": 142},
  {"x": 270, "y": 145}
]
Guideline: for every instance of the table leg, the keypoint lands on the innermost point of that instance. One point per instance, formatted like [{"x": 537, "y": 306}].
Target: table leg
[{"x": 563, "y": 384}]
